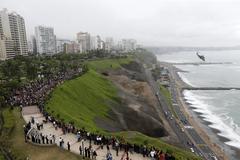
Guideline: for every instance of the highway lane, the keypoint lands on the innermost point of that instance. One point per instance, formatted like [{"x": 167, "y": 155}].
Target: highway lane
[
  {"x": 184, "y": 139},
  {"x": 175, "y": 92}
]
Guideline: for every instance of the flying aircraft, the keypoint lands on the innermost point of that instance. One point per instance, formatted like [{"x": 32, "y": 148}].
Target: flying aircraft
[{"x": 201, "y": 56}]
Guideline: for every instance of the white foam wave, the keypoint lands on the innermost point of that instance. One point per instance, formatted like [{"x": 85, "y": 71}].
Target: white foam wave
[
  {"x": 221, "y": 122},
  {"x": 183, "y": 77}
]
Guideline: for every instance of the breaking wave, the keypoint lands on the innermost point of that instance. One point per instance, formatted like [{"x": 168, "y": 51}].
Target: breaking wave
[{"x": 219, "y": 121}]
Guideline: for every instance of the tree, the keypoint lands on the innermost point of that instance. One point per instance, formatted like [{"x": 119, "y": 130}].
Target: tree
[{"x": 31, "y": 71}]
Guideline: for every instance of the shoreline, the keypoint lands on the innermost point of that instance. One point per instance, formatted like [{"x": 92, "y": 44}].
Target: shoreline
[{"x": 209, "y": 136}]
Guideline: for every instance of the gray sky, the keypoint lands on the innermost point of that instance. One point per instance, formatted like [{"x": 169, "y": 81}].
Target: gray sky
[{"x": 151, "y": 22}]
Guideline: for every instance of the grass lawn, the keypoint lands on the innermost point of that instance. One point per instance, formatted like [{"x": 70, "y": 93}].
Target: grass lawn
[
  {"x": 21, "y": 150},
  {"x": 83, "y": 99},
  {"x": 1, "y": 157},
  {"x": 100, "y": 65}
]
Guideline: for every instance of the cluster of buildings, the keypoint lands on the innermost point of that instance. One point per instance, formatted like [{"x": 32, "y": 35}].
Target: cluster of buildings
[{"x": 13, "y": 40}]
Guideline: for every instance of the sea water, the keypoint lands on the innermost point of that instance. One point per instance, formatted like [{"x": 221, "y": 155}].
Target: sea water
[{"x": 219, "y": 107}]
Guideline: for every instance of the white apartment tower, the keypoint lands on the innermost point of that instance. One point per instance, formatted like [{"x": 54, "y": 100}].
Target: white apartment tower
[
  {"x": 95, "y": 42},
  {"x": 129, "y": 44},
  {"x": 45, "y": 40},
  {"x": 13, "y": 40},
  {"x": 109, "y": 44},
  {"x": 84, "y": 40}
]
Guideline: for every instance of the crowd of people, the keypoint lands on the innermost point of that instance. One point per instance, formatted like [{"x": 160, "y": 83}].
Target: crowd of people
[
  {"x": 35, "y": 93},
  {"x": 35, "y": 136},
  {"x": 85, "y": 149}
]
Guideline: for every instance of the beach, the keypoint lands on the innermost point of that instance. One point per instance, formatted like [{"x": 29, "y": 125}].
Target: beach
[{"x": 198, "y": 124}]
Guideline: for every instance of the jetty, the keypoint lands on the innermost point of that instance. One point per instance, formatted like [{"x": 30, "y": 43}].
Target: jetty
[
  {"x": 210, "y": 88},
  {"x": 201, "y": 63}
]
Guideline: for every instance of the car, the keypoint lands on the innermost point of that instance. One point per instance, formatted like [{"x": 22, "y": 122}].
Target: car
[
  {"x": 192, "y": 150},
  {"x": 182, "y": 129},
  {"x": 166, "y": 113},
  {"x": 214, "y": 157}
]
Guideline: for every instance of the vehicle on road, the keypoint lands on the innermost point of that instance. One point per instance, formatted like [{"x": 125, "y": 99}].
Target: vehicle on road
[{"x": 182, "y": 129}]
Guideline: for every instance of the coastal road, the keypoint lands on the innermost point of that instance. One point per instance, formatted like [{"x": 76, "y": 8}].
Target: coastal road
[
  {"x": 188, "y": 137},
  {"x": 184, "y": 140},
  {"x": 196, "y": 138}
]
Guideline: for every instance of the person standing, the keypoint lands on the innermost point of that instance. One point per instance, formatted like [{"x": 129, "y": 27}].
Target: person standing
[
  {"x": 80, "y": 150},
  {"x": 47, "y": 139},
  {"x": 60, "y": 142},
  {"x": 89, "y": 152},
  {"x": 108, "y": 149},
  {"x": 152, "y": 154},
  {"x": 117, "y": 147},
  {"x": 50, "y": 139},
  {"x": 109, "y": 156},
  {"x": 83, "y": 150},
  {"x": 162, "y": 156},
  {"x": 43, "y": 139},
  {"x": 68, "y": 146},
  {"x": 94, "y": 155},
  {"x": 54, "y": 138},
  {"x": 86, "y": 152}
]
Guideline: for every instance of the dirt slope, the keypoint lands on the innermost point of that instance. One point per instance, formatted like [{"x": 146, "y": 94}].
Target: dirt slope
[{"x": 136, "y": 111}]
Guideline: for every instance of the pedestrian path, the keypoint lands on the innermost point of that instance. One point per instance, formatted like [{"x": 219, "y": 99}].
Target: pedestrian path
[{"x": 49, "y": 129}]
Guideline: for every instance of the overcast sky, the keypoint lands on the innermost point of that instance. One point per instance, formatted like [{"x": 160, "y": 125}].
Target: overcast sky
[{"x": 150, "y": 22}]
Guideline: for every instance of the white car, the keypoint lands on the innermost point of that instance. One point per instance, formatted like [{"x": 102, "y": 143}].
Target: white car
[
  {"x": 182, "y": 129},
  {"x": 192, "y": 150}
]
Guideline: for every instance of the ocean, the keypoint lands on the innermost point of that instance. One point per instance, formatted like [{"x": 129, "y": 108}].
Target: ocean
[{"x": 220, "y": 108}]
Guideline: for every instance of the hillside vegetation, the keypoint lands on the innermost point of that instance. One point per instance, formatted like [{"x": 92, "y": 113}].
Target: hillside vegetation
[
  {"x": 83, "y": 99},
  {"x": 100, "y": 65}
]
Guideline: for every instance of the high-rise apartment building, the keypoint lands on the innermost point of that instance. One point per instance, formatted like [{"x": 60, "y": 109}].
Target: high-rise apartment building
[
  {"x": 13, "y": 40},
  {"x": 95, "y": 42},
  {"x": 32, "y": 46},
  {"x": 129, "y": 44},
  {"x": 60, "y": 43},
  {"x": 109, "y": 44},
  {"x": 72, "y": 47},
  {"x": 84, "y": 40},
  {"x": 45, "y": 40}
]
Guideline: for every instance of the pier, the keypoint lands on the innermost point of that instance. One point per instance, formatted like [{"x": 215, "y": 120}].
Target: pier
[
  {"x": 202, "y": 63},
  {"x": 210, "y": 88}
]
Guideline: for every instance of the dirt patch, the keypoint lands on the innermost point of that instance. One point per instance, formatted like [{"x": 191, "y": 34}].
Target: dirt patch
[
  {"x": 136, "y": 111},
  {"x": 133, "y": 66}
]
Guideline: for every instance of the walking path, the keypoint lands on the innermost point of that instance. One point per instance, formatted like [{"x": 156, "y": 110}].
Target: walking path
[{"x": 33, "y": 111}]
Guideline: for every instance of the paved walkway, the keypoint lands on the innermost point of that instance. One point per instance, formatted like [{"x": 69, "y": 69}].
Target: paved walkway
[{"x": 33, "y": 111}]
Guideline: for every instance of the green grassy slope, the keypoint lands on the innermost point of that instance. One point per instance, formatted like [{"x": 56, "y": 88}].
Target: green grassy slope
[
  {"x": 1, "y": 157},
  {"x": 83, "y": 99}
]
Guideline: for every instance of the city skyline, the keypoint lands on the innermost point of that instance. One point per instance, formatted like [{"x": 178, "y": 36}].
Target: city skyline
[
  {"x": 13, "y": 39},
  {"x": 152, "y": 23}
]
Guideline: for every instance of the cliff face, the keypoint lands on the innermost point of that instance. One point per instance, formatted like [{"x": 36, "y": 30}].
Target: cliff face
[{"x": 135, "y": 111}]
